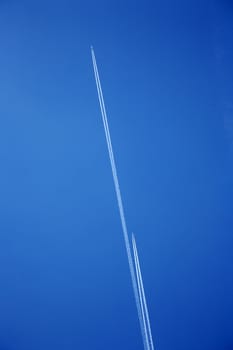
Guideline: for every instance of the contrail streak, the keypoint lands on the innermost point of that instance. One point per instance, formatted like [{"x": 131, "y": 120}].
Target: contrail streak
[
  {"x": 142, "y": 295},
  {"x": 141, "y": 316}
]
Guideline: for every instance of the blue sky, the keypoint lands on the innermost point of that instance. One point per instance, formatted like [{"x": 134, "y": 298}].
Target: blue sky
[{"x": 167, "y": 75}]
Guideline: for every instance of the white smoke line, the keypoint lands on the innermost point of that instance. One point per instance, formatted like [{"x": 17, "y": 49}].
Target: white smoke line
[
  {"x": 139, "y": 293},
  {"x": 102, "y": 107},
  {"x": 119, "y": 201},
  {"x": 142, "y": 293}
]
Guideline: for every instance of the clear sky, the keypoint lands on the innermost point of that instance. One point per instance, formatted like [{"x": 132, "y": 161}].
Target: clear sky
[{"x": 167, "y": 75}]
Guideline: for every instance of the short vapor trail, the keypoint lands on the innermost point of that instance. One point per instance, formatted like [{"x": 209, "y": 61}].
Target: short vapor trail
[
  {"x": 141, "y": 316},
  {"x": 142, "y": 297}
]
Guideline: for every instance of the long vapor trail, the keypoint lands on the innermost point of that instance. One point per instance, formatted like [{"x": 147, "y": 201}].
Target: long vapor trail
[{"x": 141, "y": 315}]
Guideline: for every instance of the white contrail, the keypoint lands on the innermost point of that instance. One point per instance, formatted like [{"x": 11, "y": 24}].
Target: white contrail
[
  {"x": 142, "y": 294},
  {"x": 141, "y": 315}
]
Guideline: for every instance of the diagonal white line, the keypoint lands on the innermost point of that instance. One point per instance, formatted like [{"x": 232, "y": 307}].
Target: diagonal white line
[
  {"x": 140, "y": 292},
  {"x": 142, "y": 295},
  {"x": 140, "y": 310}
]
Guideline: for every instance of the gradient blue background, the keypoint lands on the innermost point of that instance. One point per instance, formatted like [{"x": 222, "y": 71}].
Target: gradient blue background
[{"x": 167, "y": 75}]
